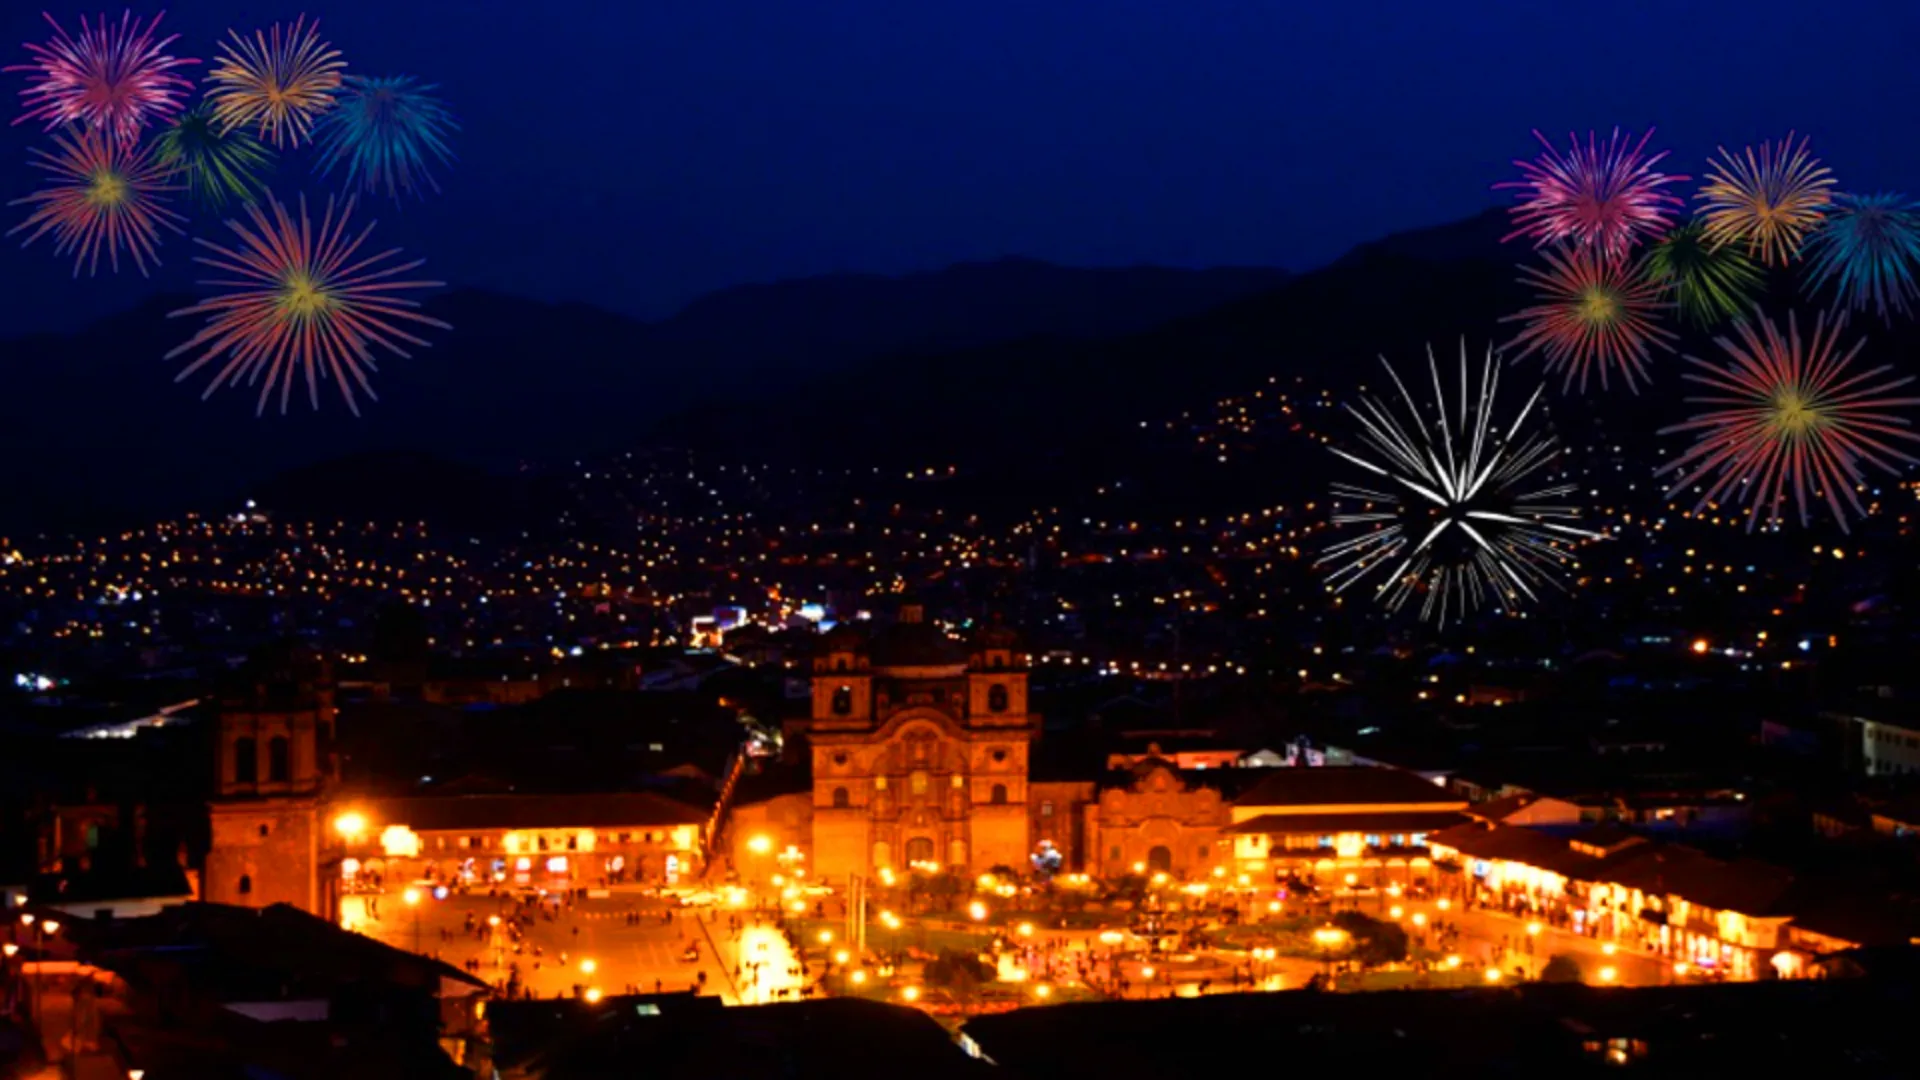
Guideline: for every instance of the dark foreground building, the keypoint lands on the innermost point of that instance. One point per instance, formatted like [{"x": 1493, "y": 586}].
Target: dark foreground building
[
  {"x": 1853, "y": 1027},
  {"x": 682, "y": 1037}
]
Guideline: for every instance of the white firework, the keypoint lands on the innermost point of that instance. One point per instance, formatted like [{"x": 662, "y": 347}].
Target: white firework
[{"x": 1460, "y": 510}]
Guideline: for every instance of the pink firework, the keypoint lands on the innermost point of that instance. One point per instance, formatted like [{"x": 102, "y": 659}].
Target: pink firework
[
  {"x": 106, "y": 196},
  {"x": 114, "y": 78},
  {"x": 305, "y": 303},
  {"x": 1596, "y": 314},
  {"x": 1601, "y": 195}
]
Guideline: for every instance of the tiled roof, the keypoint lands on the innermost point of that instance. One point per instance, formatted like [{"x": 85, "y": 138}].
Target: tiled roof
[
  {"x": 1358, "y": 821},
  {"x": 1528, "y": 847},
  {"x": 1344, "y": 785},
  {"x": 485, "y": 812}
]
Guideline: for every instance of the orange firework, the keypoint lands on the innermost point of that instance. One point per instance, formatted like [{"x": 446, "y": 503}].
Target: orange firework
[
  {"x": 105, "y": 196},
  {"x": 305, "y": 303},
  {"x": 1767, "y": 202},
  {"x": 277, "y": 83}
]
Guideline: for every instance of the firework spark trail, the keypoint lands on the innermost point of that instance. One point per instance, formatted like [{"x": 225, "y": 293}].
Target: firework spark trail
[
  {"x": 303, "y": 303},
  {"x": 1607, "y": 196},
  {"x": 1868, "y": 250},
  {"x": 1596, "y": 315},
  {"x": 106, "y": 195},
  {"x": 1453, "y": 509},
  {"x": 387, "y": 131},
  {"x": 114, "y": 79},
  {"x": 277, "y": 83},
  {"x": 216, "y": 167},
  {"x": 1766, "y": 203},
  {"x": 1787, "y": 418},
  {"x": 1708, "y": 284}
]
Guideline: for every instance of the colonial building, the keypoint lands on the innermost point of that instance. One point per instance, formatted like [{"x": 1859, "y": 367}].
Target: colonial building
[
  {"x": 555, "y": 841},
  {"x": 919, "y": 751},
  {"x": 1331, "y": 822},
  {"x": 273, "y": 782}
]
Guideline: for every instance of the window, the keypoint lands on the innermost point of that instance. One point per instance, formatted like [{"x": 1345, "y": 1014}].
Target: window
[
  {"x": 246, "y": 761},
  {"x": 1202, "y": 856},
  {"x": 843, "y": 701},
  {"x": 1046, "y": 808},
  {"x": 265, "y": 829},
  {"x": 1326, "y": 841},
  {"x": 93, "y": 836},
  {"x": 917, "y": 783},
  {"x": 999, "y": 794},
  {"x": 1113, "y": 853},
  {"x": 279, "y": 760},
  {"x": 997, "y": 698},
  {"x": 840, "y": 799},
  {"x": 999, "y": 757},
  {"x": 246, "y": 884}
]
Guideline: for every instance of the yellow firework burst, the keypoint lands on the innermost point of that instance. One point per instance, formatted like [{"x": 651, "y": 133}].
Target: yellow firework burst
[
  {"x": 1768, "y": 201},
  {"x": 277, "y": 83}
]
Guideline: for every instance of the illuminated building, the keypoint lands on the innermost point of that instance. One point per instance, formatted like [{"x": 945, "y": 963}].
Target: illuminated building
[
  {"x": 919, "y": 750},
  {"x": 1335, "y": 821},
  {"x": 274, "y": 779},
  {"x": 553, "y": 841}
]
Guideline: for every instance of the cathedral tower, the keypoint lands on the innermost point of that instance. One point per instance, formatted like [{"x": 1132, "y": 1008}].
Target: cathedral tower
[
  {"x": 920, "y": 750},
  {"x": 273, "y": 779}
]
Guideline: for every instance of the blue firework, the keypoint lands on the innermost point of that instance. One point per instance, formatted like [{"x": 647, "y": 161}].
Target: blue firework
[
  {"x": 1868, "y": 250},
  {"x": 387, "y": 131}
]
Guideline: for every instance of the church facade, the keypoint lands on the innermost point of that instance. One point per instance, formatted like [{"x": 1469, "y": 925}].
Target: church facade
[
  {"x": 274, "y": 782},
  {"x": 919, "y": 752}
]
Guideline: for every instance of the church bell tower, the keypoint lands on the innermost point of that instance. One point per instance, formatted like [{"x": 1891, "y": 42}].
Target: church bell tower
[{"x": 273, "y": 780}]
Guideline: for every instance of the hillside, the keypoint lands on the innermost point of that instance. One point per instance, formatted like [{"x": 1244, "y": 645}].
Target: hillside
[{"x": 94, "y": 428}]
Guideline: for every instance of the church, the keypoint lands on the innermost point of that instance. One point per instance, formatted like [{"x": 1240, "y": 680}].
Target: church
[{"x": 919, "y": 752}]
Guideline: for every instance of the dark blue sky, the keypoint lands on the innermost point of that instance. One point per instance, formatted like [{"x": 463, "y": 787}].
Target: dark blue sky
[{"x": 637, "y": 154}]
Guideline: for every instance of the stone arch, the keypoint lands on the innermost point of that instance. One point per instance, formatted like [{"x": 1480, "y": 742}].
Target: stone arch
[
  {"x": 841, "y": 800},
  {"x": 997, "y": 698},
  {"x": 246, "y": 885},
  {"x": 920, "y": 849},
  {"x": 246, "y": 760},
  {"x": 279, "y": 760},
  {"x": 999, "y": 797},
  {"x": 1159, "y": 859}
]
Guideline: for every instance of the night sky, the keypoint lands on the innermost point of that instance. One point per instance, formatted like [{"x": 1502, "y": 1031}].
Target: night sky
[{"x": 636, "y": 155}]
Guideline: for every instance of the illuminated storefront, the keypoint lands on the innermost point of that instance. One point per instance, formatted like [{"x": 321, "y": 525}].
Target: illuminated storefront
[{"x": 545, "y": 841}]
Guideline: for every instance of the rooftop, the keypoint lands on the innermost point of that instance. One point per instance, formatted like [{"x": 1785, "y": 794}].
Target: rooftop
[
  {"x": 488, "y": 812},
  {"x": 1337, "y": 785}
]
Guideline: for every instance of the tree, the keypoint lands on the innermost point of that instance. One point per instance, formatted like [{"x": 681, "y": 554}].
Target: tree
[
  {"x": 1374, "y": 942},
  {"x": 1562, "y": 969}
]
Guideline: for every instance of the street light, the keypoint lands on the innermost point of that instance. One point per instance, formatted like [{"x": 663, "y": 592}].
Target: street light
[
  {"x": 588, "y": 967},
  {"x": 1608, "y": 974},
  {"x": 760, "y": 845},
  {"x": 49, "y": 926},
  {"x": 412, "y": 898},
  {"x": 977, "y": 911},
  {"x": 1493, "y": 975},
  {"x": 593, "y": 995},
  {"x": 350, "y": 825}
]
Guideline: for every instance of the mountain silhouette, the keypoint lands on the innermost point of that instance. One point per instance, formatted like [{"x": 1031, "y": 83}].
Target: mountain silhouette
[{"x": 96, "y": 429}]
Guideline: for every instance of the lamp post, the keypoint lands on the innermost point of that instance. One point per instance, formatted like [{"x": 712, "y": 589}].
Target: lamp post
[
  {"x": 412, "y": 898},
  {"x": 1328, "y": 938}
]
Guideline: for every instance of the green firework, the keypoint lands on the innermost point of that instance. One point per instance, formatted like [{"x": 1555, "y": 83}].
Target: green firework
[
  {"x": 1708, "y": 285},
  {"x": 217, "y": 167}
]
